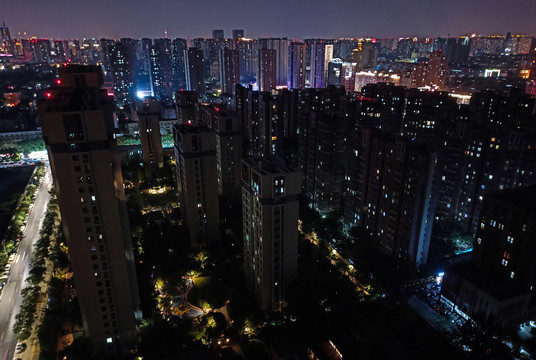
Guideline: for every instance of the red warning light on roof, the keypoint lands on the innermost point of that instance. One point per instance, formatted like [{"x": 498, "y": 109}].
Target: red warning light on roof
[
  {"x": 58, "y": 81},
  {"x": 48, "y": 95}
]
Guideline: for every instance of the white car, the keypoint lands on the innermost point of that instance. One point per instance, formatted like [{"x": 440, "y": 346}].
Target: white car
[
  {"x": 11, "y": 257},
  {"x": 20, "y": 347}
]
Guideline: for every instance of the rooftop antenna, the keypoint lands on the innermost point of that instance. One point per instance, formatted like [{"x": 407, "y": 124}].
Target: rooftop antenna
[{"x": 165, "y": 33}]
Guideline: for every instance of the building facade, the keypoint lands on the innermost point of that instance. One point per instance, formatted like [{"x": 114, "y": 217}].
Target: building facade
[
  {"x": 270, "y": 192},
  {"x": 78, "y": 127}
]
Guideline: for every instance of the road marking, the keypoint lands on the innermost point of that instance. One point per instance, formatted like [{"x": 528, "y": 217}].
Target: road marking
[
  {"x": 24, "y": 256},
  {"x": 17, "y": 261},
  {"x": 3, "y": 333}
]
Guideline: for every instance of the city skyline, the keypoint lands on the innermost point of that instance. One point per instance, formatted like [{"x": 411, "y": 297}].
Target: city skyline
[{"x": 385, "y": 19}]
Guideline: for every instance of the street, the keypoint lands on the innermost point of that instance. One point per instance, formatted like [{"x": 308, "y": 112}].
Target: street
[{"x": 10, "y": 299}]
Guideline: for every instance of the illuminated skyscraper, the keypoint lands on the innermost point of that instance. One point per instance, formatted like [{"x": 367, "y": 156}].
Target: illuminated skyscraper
[
  {"x": 249, "y": 58},
  {"x": 335, "y": 73},
  {"x": 296, "y": 65},
  {"x": 266, "y": 80},
  {"x": 6, "y": 44},
  {"x": 281, "y": 57},
  {"x": 119, "y": 54},
  {"x": 229, "y": 69},
  {"x": 4, "y": 31},
  {"x": 178, "y": 76},
  {"x": 78, "y": 128},
  {"x": 318, "y": 69},
  {"x": 160, "y": 64},
  {"x": 437, "y": 70},
  {"x": 195, "y": 75}
]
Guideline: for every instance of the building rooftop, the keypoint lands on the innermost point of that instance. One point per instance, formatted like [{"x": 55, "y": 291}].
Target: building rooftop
[
  {"x": 192, "y": 129},
  {"x": 269, "y": 165}
]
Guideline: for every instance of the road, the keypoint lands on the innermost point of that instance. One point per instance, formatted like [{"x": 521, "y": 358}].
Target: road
[
  {"x": 333, "y": 253},
  {"x": 10, "y": 299}
]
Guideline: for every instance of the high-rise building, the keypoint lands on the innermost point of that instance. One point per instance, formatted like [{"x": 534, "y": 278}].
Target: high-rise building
[
  {"x": 217, "y": 35},
  {"x": 249, "y": 59},
  {"x": 178, "y": 76},
  {"x": 238, "y": 34},
  {"x": 296, "y": 65},
  {"x": 369, "y": 56},
  {"x": 323, "y": 130},
  {"x": 6, "y": 43},
  {"x": 41, "y": 51},
  {"x": 78, "y": 128},
  {"x": 334, "y": 72},
  {"x": 270, "y": 227},
  {"x": 328, "y": 55},
  {"x": 498, "y": 285},
  {"x": 186, "y": 107},
  {"x": 281, "y": 57},
  {"x": 228, "y": 130},
  {"x": 4, "y": 32},
  {"x": 229, "y": 70},
  {"x": 142, "y": 67},
  {"x": 531, "y": 82},
  {"x": 266, "y": 79},
  {"x": 59, "y": 52},
  {"x": 197, "y": 177},
  {"x": 499, "y": 148},
  {"x": 392, "y": 193},
  {"x": 119, "y": 54},
  {"x": 160, "y": 64},
  {"x": 342, "y": 48},
  {"x": 195, "y": 74},
  {"x": 147, "y": 114},
  {"x": 318, "y": 71},
  {"x": 437, "y": 70},
  {"x": 430, "y": 73},
  {"x": 212, "y": 58}
]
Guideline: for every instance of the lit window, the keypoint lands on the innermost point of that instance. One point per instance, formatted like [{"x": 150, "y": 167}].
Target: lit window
[
  {"x": 109, "y": 340},
  {"x": 512, "y": 275}
]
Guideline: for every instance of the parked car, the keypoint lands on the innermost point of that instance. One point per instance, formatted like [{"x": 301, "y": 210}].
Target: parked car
[{"x": 20, "y": 347}]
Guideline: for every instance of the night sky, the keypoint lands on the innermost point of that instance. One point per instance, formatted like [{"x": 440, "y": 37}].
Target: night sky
[{"x": 292, "y": 18}]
